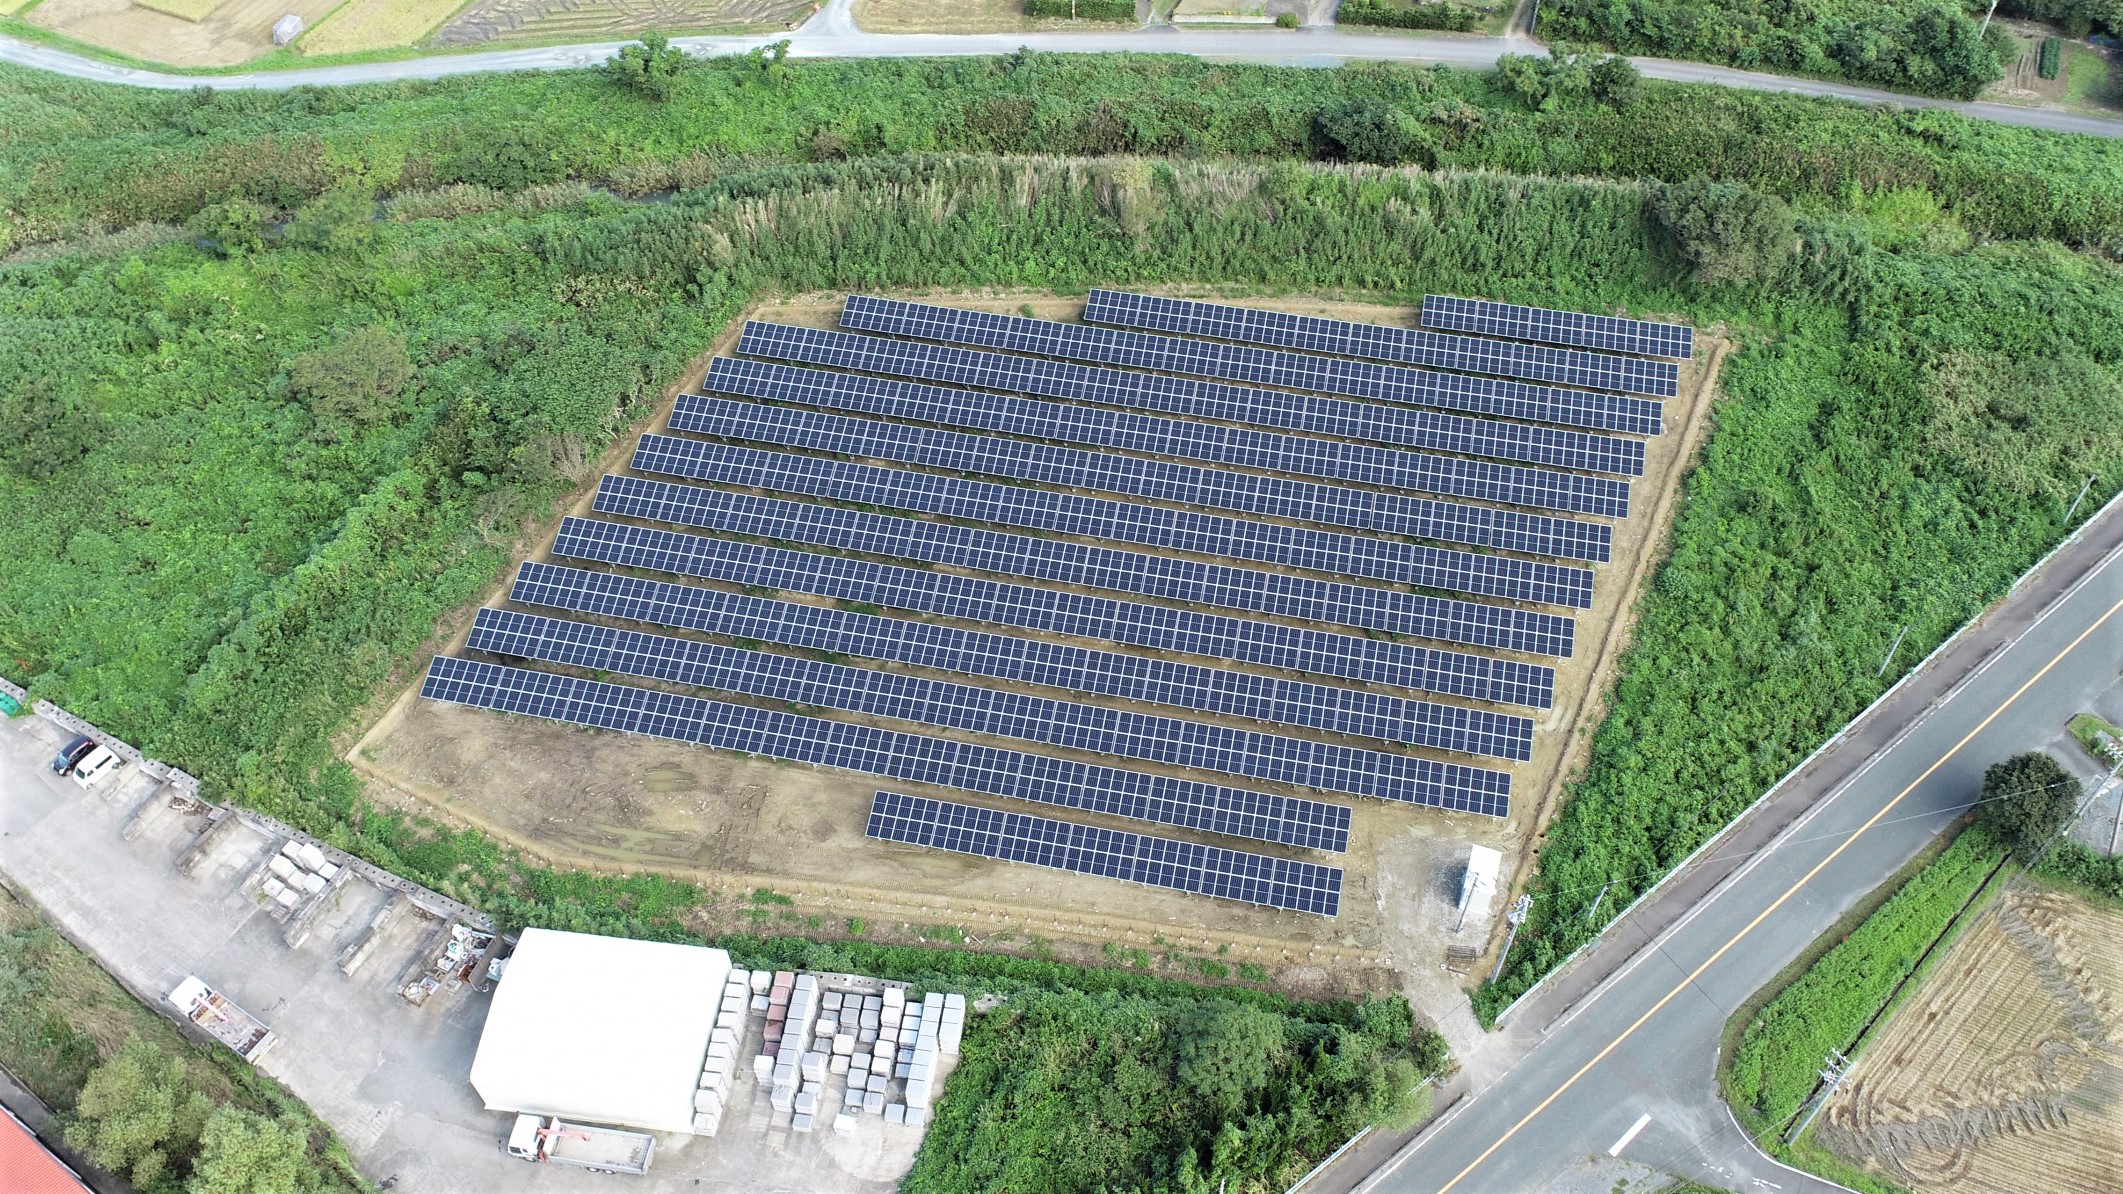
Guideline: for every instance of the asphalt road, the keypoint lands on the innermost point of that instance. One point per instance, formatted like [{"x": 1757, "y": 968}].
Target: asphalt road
[
  {"x": 832, "y": 33},
  {"x": 1578, "y": 1067}
]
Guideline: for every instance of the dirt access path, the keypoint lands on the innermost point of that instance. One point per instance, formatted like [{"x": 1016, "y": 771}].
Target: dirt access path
[{"x": 575, "y": 798}]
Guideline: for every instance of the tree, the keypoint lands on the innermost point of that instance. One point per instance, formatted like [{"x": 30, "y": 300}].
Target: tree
[
  {"x": 354, "y": 380},
  {"x": 242, "y": 1152},
  {"x": 2027, "y": 802},
  {"x": 137, "y": 1116},
  {"x": 1227, "y": 1051},
  {"x": 1364, "y": 132},
  {"x": 337, "y": 219},
  {"x": 650, "y": 66},
  {"x": 1724, "y": 231},
  {"x": 512, "y": 158}
]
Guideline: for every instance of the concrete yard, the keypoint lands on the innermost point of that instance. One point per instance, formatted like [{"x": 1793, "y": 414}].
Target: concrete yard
[{"x": 389, "y": 1077}]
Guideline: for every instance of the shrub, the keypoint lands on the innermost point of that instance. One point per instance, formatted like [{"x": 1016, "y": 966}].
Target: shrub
[
  {"x": 649, "y": 67},
  {"x": 232, "y": 228},
  {"x": 1426, "y": 14},
  {"x": 336, "y": 220},
  {"x": 2050, "y": 57},
  {"x": 1082, "y": 10},
  {"x": 1365, "y": 133},
  {"x": 1286, "y": 20},
  {"x": 355, "y": 380}
]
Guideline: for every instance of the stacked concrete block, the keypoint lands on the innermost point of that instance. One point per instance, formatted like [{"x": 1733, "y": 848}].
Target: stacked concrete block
[
  {"x": 836, "y": 1064},
  {"x": 895, "y": 1113},
  {"x": 873, "y": 1103},
  {"x": 953, "y": 1028},
  {"x": 800, "y": 1122},
  {"x": 844, "y": 1124}
]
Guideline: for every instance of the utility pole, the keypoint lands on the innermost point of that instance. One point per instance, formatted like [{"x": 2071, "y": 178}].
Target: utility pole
[
  {"x": 1833, "y": 1071},
  {"x": 1890, "y": 653},
  {"x": 1986, "y": 20},
  {"x": 1517, "y": 916},
  {"x": 1595, "y": 909},
  {"x": 2075, "y": 501}
]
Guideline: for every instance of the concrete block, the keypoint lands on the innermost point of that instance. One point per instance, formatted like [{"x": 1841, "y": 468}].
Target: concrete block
[
  {"x": 916, "y": 1116},
  {"x": 761, "y": 981},
  {"x": 873, "y": 1103},
  {"x": 917, "y": 1073},
  {"x": 707, "y": 1101},
  {"x": 876, "y": 1083},
  {"x": 844, "y": 1044},
  {"x": 895, "y": 1113},
  {"x": 801, "y": 1123},
  {"x": 902, "y": 1069},
  {"x": 837, "y": 1065},
  {"x": 705, "y": 1125},
  {"x": 852, "y": 1097},
  {"x": 828, "y": 1025},
  {"x": 917, "y": 1093},
  {"x": 813, "y": 1066},
  {"x": 955, "y": 1002},
  {"x": 844, "y": 1124},
  {"x": 763, "y": 1067},
  {"x": 783, "y": 1099},
  {"x": 806, "y": 1102},
  {"x": 759, "y": 1003},
  {"x": 833, "y": 1001},
  {"x": 866, "y": 1037}
]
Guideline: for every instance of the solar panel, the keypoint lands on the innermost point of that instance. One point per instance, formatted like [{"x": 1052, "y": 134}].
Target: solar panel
[
  {"x": 1259, "y": 698},
  {"x": 1113, "y": 854},
  {"x": 1199, "y": 399},
  {"x": 1054, "y": 611},
  {"x": 1371, "y": 341},
  {"x": 1134, "y": 476},
  {"x": 916, "y": 758},
  {"x": 1257, "y": 366},
  {"x": 1607, "y": 332},
  {"x": 1100, "y": 518},
  {"x": 896, "y": 695},
  {"x": 1299, "y": 598}
]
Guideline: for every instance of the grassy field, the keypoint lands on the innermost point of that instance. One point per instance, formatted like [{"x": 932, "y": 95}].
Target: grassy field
[
  {"x": 953, "y": 16},
  {"x": 361, "y": 25},
  {"x": 2089, "y": 78}
]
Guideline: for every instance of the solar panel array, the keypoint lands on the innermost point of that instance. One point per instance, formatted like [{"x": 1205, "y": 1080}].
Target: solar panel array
[
  {"x": 1151, "y": 526},
  {"x": 1195, "y": 398},
  {"x": 1027, "y": 661},
  {"x": 902, "y": 697},
  {"x": 1256, "y": 366},
  {"x": 1299, "y": 598},
  {"x": 1134, "y": 476},
  {"x": 1377, "y": 342},
  {"x": 1609, "y": 332},
  {"x": 917, "y": 758},
  {"x": 1298, "y": 444},
  {"x": 1110, "y": 853},
  {"x": 1055, "y": 611}
]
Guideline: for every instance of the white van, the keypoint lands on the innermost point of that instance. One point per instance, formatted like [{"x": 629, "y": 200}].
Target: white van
[{"x": 99, "y": 763}]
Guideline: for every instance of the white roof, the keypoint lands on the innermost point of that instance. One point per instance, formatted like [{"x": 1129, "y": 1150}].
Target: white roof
[{"x": 600, "y": 1029}]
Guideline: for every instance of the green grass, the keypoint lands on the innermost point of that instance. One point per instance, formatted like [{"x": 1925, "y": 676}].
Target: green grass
[
  {"x": 1851, "y": 986},
  {"x": 2096, "y": 737},
  {"x": 2089, "y": 78}
]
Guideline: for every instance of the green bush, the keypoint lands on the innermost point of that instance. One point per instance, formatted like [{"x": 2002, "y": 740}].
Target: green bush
[
  {"x": 1825, "y": 1008},
  {"x": 1082, "y": 10},
  {"x": 1724, "y": 232},
  {"x": 2050, "y": 57},
  {"x": 1286, "y": 20},
  {"x": 1931, "y": 47},
  {"x": 649, "y": 67},
  {"x": 1423, "y": 14}
]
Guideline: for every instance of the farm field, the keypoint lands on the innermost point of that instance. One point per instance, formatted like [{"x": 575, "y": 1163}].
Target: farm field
[
  {"x": 359, "y": 25},
  {"x": 2085, "y": 80},
  {"x": 956, "y": 16},
  {"x": 575, "y": 798},
  {"x": 227, "y": 34},
  {"x": 484, "y": 21},
  {"x": 2006, "y": 1062}
]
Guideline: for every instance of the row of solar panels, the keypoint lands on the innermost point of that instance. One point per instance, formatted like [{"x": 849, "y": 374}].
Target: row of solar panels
[
  {"x": 1195, "y": 398},
  {"x": 1406, "y": 346},
  {"x": 1108, "y": 853},
  {"x": 1119, "y": 733},
  {"x": 1055, "y": 611},
  {"x": 1572, "y": 328},
  {"x": 1100, "y": 518},
  {"x": 1135, "y": 476},
  {"x": 1257, "y": 366},
  {"x": 1300, "y": 598},
  {"x": 1249, "y": 695},
  {"x": 895, "y": 754}
]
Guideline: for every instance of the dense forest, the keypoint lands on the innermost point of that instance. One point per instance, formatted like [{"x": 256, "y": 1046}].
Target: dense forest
[{"x": 283, "y": 376}]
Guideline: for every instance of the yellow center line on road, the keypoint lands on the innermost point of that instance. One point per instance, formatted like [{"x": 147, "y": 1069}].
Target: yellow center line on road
[{"x": 1793, "y": 890}]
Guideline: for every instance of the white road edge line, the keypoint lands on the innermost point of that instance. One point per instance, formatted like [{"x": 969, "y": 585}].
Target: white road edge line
[{"x": 1638, "y": 1126}]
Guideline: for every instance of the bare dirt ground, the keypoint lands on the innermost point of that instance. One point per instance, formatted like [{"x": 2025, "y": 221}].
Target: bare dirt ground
[
  {"x": 573, "y": 797},
  {"x": 2006, "y": 1064},
  {"x": 231, "y": 34},
  {"x": 485, "y": 21}
]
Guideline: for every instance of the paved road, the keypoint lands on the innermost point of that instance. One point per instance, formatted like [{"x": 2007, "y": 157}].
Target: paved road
[
  {"x": 832, "y": 33},
  {"x": 1632, "y": 1030}
]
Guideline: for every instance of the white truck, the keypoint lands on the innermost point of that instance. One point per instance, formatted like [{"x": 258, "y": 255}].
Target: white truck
[{"x": 553, "y": 1140}]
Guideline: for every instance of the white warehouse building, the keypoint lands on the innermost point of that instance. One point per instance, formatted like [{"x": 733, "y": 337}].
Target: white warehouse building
[{"x": 600, "y": 1029}]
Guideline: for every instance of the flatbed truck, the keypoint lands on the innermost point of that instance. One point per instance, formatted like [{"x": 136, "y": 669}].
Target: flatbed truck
[{"x": 554, "y": 1141}]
